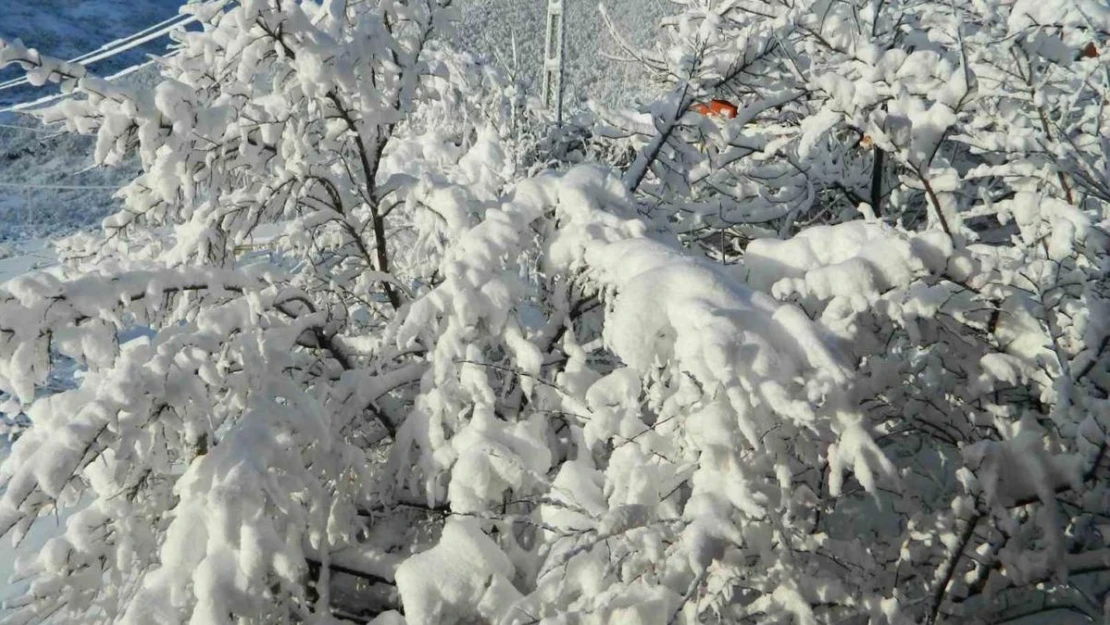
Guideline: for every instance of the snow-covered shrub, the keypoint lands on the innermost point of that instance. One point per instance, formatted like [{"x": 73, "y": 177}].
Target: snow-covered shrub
[
  {"x": 348, "y": 357},
  {"x": 978, "y": 346}
]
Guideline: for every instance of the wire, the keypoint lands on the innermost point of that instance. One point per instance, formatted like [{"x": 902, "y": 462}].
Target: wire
[
  {"x": 22, "y": 106},
  {"x": 140, "y": 41},
  {"x": 117, "y": 46},
  {"x": 47, "y": 131},
  {"x": 20, "y": 185},
  {"x": 111, "y": 49},
  {"x": 129, "y": 37}
]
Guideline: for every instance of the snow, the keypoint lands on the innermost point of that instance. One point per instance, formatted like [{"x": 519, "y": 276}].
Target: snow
[
  {"x": 493, "y": 27},
  {"x": 32, "y": 155},
  {"x": 568, "y": 403},
  {"x": 49, "y": 185},
  {"x": 74, "y": 29},
  {"x": 465, "y": 569},
  {"x": 25, "y": 256}
]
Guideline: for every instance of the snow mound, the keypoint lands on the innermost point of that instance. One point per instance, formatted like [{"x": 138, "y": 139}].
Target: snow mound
[{"x": 464, "y": 569}]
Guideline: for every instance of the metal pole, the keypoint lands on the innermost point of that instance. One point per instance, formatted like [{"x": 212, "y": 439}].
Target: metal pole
[{"x": 553, "y": 60}]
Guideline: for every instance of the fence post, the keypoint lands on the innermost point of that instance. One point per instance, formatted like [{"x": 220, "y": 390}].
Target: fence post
[{"x": 553, "y": 59}]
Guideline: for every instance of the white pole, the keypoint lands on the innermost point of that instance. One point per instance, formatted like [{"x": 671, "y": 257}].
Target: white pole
[{"x": 553, "y": 60}]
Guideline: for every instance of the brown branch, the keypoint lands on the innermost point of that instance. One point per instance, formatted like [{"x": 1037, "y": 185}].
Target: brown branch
[
  {"x": 369, "y": 171},
  {"x": 948, "y": 568},
  {"x": 339, "y": 568},
  {"x": 877, "y": 181},
  {"x": 370, "y": 164},
  {"x": 935, "y": 201}
]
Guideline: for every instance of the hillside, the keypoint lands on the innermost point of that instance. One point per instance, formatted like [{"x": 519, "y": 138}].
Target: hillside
[
  {"x": 32, "y": 157},
  {"x": 70, "y": 28}
]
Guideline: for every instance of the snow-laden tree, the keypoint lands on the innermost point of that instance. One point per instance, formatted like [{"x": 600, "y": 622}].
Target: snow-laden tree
[
  {"x": 346, "y": 356},
  {"x": 978, "y": 346},
  {"x": 214, "y": 484}
]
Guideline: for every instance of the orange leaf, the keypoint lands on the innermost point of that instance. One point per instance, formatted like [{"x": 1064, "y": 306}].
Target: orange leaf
[
  {"x": 724, "y": 108},
  {"x": 715, "y": 108}
]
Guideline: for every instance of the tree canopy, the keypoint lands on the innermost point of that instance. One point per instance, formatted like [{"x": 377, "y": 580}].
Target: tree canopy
[{"x": 370, "y": 340}]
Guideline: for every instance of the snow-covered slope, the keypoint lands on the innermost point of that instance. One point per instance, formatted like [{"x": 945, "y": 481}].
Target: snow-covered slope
[
  {"x": 33, "y": 165},
  {"x": 35, "y": 162}
]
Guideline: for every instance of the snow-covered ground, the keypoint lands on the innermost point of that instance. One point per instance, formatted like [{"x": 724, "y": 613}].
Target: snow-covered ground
[
  {"x": 47, "y": 185},
  {"x": 70, "y": 28},
  {"x": 23, "y": 257}
]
